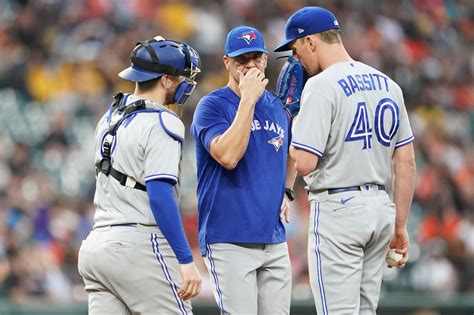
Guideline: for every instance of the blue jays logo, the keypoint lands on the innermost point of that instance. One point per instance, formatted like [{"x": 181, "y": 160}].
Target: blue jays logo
[
  {"x": 277, "y": 142},
  {"x": 248, "y": 37}
]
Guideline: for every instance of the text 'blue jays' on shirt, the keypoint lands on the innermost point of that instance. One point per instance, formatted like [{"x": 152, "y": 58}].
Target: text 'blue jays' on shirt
[{"x": 241, "y": 205}]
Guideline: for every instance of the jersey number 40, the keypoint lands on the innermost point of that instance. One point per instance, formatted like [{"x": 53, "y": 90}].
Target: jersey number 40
[{"x": 361, "y": 129}]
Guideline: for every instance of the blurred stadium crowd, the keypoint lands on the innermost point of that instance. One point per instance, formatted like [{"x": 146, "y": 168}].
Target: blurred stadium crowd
[{"x": 59, "y": 61}]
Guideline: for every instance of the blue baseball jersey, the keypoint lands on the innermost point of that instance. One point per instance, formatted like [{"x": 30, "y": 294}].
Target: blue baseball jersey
[{"x": 241, "y": 205}]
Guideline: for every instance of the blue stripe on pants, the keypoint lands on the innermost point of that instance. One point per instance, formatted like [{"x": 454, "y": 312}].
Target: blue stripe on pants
[
  {"x": 322, "y": 293},
  {"x": 159, "y": 256},
  {"x": 220, "y": 301}
]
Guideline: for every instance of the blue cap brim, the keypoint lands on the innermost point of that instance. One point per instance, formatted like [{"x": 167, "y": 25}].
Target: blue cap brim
[
  {"x": 242, "y": 51},
  {"x": 136, "y": 74},
  {"x": 284, "y": 46}
]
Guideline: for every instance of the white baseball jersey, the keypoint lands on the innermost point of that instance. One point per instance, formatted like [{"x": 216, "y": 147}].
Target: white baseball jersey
[
  {"x": 352, "y": 117},
  {"x": 143, "y": 149}
]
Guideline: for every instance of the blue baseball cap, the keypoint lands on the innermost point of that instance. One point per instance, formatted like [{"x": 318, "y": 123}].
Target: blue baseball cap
[
  {"x": 244, "y": 39},
  {"x": 307, "y": 21}
]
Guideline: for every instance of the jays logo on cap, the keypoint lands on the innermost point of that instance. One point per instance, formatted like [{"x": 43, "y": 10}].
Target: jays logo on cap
[
  {"x": 244, "y": 39},
  {"x": 248, "y": 37}
]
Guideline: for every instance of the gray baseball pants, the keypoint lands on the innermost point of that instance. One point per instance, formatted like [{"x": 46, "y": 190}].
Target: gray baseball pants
[
  {"x": 250, "y": 279},
  {"x": 349, "y": 234},
  {"x": 130, "y": 270}
]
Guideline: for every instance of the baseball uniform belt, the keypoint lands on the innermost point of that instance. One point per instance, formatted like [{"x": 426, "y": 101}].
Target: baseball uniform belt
[
  {"x": 352, "y": 188},
  {"x": 133, "y": 225}
]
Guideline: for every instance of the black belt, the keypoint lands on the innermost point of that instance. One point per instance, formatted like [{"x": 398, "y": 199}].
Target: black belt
[
  {"x": 125, "y": 180},
  {"x": 352, "y": 188}
]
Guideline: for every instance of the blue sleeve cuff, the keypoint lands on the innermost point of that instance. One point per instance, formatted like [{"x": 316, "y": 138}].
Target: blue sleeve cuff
[
  {"x": 404, "y": 142},
  {"x": 165, "y": 210},
  {"x": 186, "y": 260},
  {"x": 307, "y": 148}
]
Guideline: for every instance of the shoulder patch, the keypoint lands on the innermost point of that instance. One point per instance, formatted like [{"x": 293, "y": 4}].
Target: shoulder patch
[{"x": 172, "y": 125}]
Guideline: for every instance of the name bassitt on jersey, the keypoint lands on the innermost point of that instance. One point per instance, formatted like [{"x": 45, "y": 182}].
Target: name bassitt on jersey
[
  {"x": 353, "y": 117},
  {"x": 363, "y": 82}
]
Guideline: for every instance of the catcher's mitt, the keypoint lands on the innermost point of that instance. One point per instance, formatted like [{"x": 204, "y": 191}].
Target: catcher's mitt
[{"x": 291, "y": 81}]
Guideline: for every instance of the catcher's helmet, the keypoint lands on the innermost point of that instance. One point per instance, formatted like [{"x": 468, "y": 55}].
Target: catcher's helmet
[{"x": 153, "y": 58}]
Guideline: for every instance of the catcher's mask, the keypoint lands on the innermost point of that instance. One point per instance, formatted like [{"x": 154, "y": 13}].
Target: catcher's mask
[{"x": 153, "y": 58}]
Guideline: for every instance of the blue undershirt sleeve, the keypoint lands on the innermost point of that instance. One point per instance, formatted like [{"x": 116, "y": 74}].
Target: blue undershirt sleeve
[{"x": 165, "y": 210}]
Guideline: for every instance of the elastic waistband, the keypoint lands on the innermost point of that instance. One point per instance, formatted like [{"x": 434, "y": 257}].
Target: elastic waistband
[{"x": 355, "y": 188}]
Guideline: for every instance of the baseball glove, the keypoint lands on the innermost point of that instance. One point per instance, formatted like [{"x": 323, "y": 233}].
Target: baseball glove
[{"x": 291, "y": 81}]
